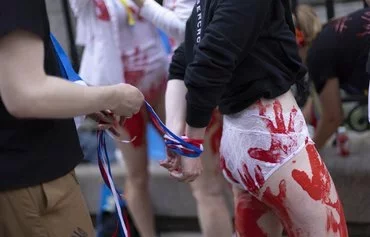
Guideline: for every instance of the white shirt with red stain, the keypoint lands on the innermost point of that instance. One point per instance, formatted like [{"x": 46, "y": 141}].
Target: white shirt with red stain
[
  {"x": 171, "y": 18},
  {"x": 115, "y": 51}
]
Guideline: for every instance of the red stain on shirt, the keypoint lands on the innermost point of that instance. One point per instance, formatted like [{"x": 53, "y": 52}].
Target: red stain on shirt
[
  {"x": 366, "y": 26},
  {"x": 247, "y": 213},
  {"x": 279, "y": 148},
  {"x": 319, "y": 187},
  {"x": 101, "y": 10}
]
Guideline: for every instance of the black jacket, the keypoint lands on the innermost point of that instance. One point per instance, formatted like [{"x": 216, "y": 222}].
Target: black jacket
[{"x": 235, "y": 52}]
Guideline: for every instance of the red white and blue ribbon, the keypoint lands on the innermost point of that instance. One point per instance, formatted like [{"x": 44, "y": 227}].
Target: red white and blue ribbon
[
  {"x": 182, "y": 146},
  {"x": 105, "y": 170}
]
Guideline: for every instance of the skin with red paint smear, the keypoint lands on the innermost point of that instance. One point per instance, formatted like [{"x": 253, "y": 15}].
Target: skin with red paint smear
[
  {"x": 247, "y": 213},
  {"x": 216, "y": 121},
  {"x": 319, "y": 187},
  {"x": 277, "y": 202},
  {"x": 278, "y": 149},
  {"x": 249, "y": 182},
  {"x": 135, "y": 126}
]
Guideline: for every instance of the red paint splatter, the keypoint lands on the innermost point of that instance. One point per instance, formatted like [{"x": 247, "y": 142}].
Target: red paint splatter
[
  {"x": 227, "y": 171},
  {"x": 101, "y": 10},
  {"x": 277, "y": 202},
  {"x": 252, "y": 186},
  {"x": 216, "y": 122},
  {"x": 318, "y": 187},
  {"x": 132, "y": 75},
  {"x": 294, "y": 161},
  {"x": 247, "y": 213},
  {"x": 259, "y": 176},
  {"x": 279, "y": 148},
  {"x": 340, "y": 25},
  {"x": 366, "y": 26},
  {"x": 135, "y": 126}
]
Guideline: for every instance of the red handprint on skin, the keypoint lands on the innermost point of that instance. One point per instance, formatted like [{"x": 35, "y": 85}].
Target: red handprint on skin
[
  {"x": 248, "y": 212},
  {"x": 318, "y": 187},
  {"x": 251, "y": 185},
  {"x": 279, "y": 148},
  {"x": 278, "y": 203}
]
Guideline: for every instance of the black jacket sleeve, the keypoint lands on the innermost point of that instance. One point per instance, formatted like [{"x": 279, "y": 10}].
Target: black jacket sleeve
[
  {"x": 233, "y": 30},
  {"x": 178, "y": 64}
]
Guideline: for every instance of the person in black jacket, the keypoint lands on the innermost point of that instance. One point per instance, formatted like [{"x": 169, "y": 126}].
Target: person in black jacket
[
  {"x": 336, "y": 57},
  {"x": 241, "y": 57}
]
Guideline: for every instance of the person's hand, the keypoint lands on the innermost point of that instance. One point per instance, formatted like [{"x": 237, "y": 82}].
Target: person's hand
[
  {"x": 139, "y": 3},
  {"x": 129, "y": 100},
  {"x": 107, "y": 120},
  {"x": 183, "y": 169},
  {"x": 172, "y": 162},
  {"x": 190, "y": 169}
]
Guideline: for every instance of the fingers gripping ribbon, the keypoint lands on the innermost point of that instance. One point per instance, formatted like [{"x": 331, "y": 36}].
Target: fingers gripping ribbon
[{"x": 182, "y": 146}]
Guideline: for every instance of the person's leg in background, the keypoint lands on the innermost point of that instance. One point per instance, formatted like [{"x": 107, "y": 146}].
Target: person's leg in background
[
  {"x": 209, "y": 188},
  {"x": 136, "y": 189},
  {"x": 53, "y": 209}
]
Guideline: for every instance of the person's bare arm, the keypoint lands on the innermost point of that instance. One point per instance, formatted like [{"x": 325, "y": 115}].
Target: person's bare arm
[
  {"x": 176, "y": 106},
  {"x": 27, "y": 92},
  {"x": 332, "y": 114}
]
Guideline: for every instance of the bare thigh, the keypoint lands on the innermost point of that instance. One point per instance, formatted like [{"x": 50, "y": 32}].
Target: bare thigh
[{"x": 303, "y": 196}]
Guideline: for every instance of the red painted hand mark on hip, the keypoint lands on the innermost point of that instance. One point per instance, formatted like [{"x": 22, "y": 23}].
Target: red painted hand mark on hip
[{"x": 279, "y": 147}]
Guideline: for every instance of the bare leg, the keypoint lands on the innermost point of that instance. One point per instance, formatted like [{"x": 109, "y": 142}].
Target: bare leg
[
  {"x": 304, "y": 197},
  {"x": 136, "y": 181},
  {"x": 253, "y": 218},
  {"x": 208, "y": 189}
]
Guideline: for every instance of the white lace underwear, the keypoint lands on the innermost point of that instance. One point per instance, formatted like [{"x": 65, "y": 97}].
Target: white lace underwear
[{"x": 260, "y": 139}]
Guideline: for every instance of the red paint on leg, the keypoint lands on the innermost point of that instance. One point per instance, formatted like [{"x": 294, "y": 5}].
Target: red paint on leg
[
  {"x": 259, "y": 176},
  {"x": 277, "y": 202},
  {"x": 248, "y": 181},
  {"x": 216, "y": 122},
  {"x": 247, "y": 213},
  {"x": 135, "y": 126},
  {"x": 319, "y": 187},
  {"x": 278, "y": 149}
]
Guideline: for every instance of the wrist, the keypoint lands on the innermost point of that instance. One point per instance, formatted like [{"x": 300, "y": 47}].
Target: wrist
[
  {"x": 109, "y": 97},
  {"x": 195, "y": 133}
]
